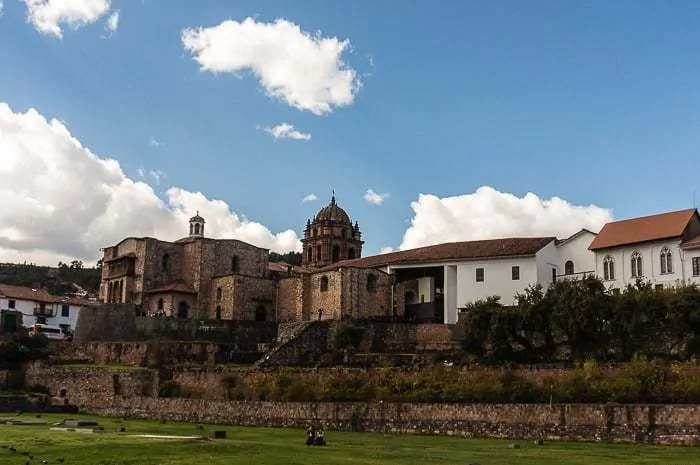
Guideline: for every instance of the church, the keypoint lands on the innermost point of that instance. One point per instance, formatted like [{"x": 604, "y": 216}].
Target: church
[{"x": 225, "y": 279}]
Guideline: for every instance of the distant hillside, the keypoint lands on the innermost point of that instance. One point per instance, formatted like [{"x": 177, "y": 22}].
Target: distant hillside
[
  {"x": 65, "y": 279},
  {"x": 293, "y": 258}
]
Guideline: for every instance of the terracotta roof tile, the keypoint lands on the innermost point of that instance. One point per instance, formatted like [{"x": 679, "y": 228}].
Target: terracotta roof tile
[
  {"x": 27, "y": 293},
  {"x": 180, "y": 288},
  {"x": 643, "y": 229},
  {"x": 451, "y": 251}
]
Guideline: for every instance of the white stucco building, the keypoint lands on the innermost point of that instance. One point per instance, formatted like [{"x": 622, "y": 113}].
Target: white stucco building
[
  {"x": 38, "y": 306},
  {"x": 663, "y": 249}
]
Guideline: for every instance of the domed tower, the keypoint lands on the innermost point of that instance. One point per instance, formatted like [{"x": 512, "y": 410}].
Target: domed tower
[
  {"x": 197, "y": 226},
  {"x": 330, "y": 237}
]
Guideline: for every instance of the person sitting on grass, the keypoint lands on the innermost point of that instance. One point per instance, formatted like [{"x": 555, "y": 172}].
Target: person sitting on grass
[
  {"x": 310, "y": 435},
  {"x": 320, "y": 440}
]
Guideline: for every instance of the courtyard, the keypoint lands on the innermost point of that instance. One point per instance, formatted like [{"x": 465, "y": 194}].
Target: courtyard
[{"x": 151, "y": 442}]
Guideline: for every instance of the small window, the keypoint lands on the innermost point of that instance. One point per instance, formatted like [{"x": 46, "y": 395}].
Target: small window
[
  {"x": 569, "y": 267},
  {"x": 351, "y": 253},
  {"x": 11, "y": 304},
  {"x": 479, "y": 275},
  {"x": 336, "y": 253},
  {"x": 696, "y": 266},
  {"x": 315, "y": 232},
  {"x": 659, "y": 287},
  {"x": 636, "y": 263},
  {"x": 218, "y": 294},
  {"x": 218, "y": 312},
  {"x": 310, "y": 254},
  {"x": 160, "y": 304},
  {"x": 371, "y": 283},
  {"x": 165, "y": 262},
  {"x": 319, "y": 255},
  {"x": 608, "y": 268},
  {"x": 666, "y": 261},
  {"x": 324, "y": 283},
  {"x": 65, "y": 311},
  {"x": 515, "y": 273},
  {"x": 41, "y": 320},
  {"x": 235, "y": 265},
  {"x": 554, "y": 275}
]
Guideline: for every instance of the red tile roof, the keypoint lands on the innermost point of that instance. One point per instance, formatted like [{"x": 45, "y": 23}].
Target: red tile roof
[
  {"x": 644, "y": 229},
  {"x": 451, "y": 251},
  {"x": 178, "y": 288},
  {"x": 27, "y": 293}
]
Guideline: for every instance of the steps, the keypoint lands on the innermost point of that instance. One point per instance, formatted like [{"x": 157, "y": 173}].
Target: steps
[{"x": 286, "y": 334}]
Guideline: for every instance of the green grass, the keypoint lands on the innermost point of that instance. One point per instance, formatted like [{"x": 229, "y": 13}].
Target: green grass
[{"x": 253, "y": 446}]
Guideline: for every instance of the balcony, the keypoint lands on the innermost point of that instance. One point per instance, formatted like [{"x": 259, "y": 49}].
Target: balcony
[{"x": 43, "y": 310}]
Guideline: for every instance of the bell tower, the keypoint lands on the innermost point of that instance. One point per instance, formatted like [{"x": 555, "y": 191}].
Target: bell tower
[
  {"x": 330, "y": 237},
  {"x": 197, "y": 226}
]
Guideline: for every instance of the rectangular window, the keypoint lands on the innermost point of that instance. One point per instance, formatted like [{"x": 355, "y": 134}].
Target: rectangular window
[
  {"x": 65, "y": 311},
  {"x": 554, "y": 275},
  {"x": 12, "y": 303},
  {"x": 515, "y": 273},
  {"x": 659, "y": 287},
  {"x": 696, "y": 266},
  {"x": 479, "y": 275}
]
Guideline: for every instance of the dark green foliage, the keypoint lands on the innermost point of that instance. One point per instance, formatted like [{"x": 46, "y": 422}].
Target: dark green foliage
[
  {"x": 293, "y": 258},
  {"x": 577, "y": 320},
  {"x": 23, "y": 348},
  {"x": 58, "y": 281},
  {"x": 347, "y": 335}
]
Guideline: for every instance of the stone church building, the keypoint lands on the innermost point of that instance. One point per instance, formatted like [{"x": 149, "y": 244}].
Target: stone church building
[{"x": 204, "y": 278}]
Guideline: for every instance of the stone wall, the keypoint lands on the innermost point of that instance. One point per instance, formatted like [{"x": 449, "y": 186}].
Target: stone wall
[
  {"x": 111, "y": 322},
  {"x": 154, "y": 353},
  {"x": 659, "y": 424},
  {"x": 366, "y": 293},
  {"x": 290, "y": 299},
  {"x": 406, "y": 338}
]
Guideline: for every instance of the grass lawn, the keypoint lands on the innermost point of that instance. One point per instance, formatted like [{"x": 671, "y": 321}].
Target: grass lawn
[{"x": 253, "y": 446}]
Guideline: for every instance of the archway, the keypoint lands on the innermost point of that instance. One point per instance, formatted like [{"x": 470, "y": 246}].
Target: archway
[
  {"x": 260, "y": 313},
  {"x": 336, "y": 253},
  {"x": 183, "y": 309},
  {"x": 410, "y": 298}
]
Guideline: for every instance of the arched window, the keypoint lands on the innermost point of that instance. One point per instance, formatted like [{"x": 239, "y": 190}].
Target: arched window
[
  {"x": 324, "y": 283},
  {"x": 183, "y": 310},
  {"x": 343, "y": 233},
  {"x": 160, "y": 304},
  {"x": 636, "y": 263},
  {"x": 371, "y": 283},
  {"x": 351, "y": 253},
  {"x": 196, "y": 228},
  {"x": 569, "y": 267},
  {"x": 235, "y": 265},
  {"x": 319, "y": 254},
  {"x": 315, "y": 232},
  {"x": 310, "y": 254},
  {"x": 165, "y": 262},
  {"x": 608, "y": 268},
  {"x": 218, "y": 312},
  {"x": 218, "y": 294},
  {"x": 336, "y": 253},
  {"x": 666, "y": 260}
]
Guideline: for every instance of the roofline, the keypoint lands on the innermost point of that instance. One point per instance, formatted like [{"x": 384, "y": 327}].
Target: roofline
[
  {"x": 177, "y": 241},
  {"x": 627, "y": 244},
  {"x": 575, "y": 235}
]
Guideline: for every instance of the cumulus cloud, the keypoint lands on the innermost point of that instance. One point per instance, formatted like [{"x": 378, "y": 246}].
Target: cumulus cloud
[
  {"x": 305, "y": 71},
  {"x": 374, "y": 198},
  {"x": 488, "y": 213},
  {"x": 61, "y": 201},
  {"x": 112, "y": 22},
  {"x": 387, "y": 249},
  {"x": 286, "y": 131},
  {"x": 310, "y": 198},
  {"x": 1, "y": 6},
  {"x": 48, "y": 16}
]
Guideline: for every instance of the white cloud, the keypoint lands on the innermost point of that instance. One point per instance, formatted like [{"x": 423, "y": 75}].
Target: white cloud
[
  {"x": 387, "y": 249},
  {"x": 1, "y": 6},
  {"x": 156, "y": 175},
  {"x": 488, "y": 213},
  {"x": 310, "y": 198},
  {"x": 374, "y": 198},
  {"x": 48, "y": 16},
  {"x": 112, "y": 22},
  {"x": 61, "y": 201},
  {"x": 305, "y": 71},
  {"x": 286, "y": 131},
  {"x": 153, "y": 142}
]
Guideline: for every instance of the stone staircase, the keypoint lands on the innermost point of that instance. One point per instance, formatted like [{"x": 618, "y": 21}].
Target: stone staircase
[{"x": 286, "y": 334}]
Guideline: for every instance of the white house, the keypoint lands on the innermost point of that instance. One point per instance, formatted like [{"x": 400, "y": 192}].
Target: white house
[
  {"x": 434, "y": 282},
  {"x": 38, "y": 306},
  {"x": 575, "y": 259},
  {"x": 663, "y": 249}
]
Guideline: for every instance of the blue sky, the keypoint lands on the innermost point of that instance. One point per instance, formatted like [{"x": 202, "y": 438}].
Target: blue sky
[{"x": 593, "y": 102}]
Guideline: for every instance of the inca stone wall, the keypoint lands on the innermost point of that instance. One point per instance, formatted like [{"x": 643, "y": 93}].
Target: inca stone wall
[
  {"x": 366, "y": 293},
  {"x": 290, "y": 300}
]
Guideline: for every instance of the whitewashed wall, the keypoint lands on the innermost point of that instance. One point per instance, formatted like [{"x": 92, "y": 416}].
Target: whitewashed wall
[{"x": 577, "y": 251}]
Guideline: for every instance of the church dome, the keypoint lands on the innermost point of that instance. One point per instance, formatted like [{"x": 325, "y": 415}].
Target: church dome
[{"x": 332, "y": 212}]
